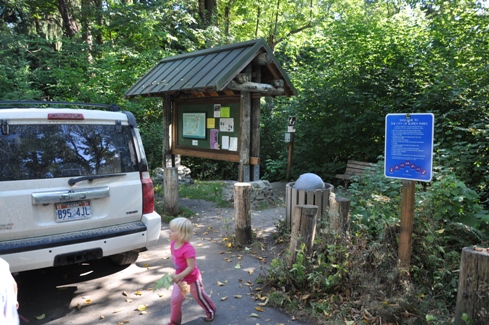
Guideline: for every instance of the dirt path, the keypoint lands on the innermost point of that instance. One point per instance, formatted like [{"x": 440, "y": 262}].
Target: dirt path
[{"x": 217, "y": 224}]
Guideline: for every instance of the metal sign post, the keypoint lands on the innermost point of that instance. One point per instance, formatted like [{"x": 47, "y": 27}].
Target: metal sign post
[
  {"x": 289, "y": 137},
  {"x": 408, "y": 156}
]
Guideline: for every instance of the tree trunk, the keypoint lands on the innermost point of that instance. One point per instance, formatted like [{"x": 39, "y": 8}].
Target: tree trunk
[
  {"x": 70, "y": 25},
  {"x": 206, "y": 11}
]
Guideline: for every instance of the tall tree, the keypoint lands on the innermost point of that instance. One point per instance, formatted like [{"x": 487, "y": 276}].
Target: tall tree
[{"x": 67, "y": 9}]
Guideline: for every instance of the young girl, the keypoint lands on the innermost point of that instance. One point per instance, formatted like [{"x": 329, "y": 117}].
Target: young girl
[
  {"x": 8, "y": 296},
  {"x": 183, "y": 255}
]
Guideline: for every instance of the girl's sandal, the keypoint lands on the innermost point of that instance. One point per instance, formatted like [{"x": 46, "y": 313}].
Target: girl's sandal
[{"x": 208, "y": 319}]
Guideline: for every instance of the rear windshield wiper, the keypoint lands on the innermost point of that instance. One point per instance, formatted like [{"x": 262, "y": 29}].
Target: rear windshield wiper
[{"x": 73, "y": 181}]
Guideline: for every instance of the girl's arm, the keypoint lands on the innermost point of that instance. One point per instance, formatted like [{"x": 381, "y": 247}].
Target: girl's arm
[{"x": 190, "y": 267}]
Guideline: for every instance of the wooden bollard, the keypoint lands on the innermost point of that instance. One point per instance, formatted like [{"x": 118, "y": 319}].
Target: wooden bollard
[
  {"x": 303, "y": 229},
  {"x": 473, "y": 287},
  {"x": 242, "y": 213},
  {"x": 339, "y": 214},
  {"x": 170, "y": 191}
]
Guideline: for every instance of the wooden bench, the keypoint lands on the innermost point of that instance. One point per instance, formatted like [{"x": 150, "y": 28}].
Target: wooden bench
[{"x": 355, "y": 168}]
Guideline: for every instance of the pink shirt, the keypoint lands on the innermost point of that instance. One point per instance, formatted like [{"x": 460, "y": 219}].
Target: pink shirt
[{"x": 180, "y": 256}]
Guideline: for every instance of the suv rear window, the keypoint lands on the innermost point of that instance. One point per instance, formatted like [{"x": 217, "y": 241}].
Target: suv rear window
[{"x": 51, "y": 151}]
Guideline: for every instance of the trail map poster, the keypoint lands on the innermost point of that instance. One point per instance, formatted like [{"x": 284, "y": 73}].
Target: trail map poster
[{"x": 194, "y": 125}]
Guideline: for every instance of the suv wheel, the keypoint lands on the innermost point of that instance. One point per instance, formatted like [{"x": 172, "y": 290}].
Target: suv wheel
[{"x": 125, "y": 258}]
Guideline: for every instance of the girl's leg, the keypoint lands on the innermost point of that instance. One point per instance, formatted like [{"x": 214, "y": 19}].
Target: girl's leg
[
  {"x": 176, "y": 306},
  {"x": 202, "y": 298}
]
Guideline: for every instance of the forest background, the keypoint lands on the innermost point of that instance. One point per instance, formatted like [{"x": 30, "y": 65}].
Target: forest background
[{"x": 352, "y": 62}]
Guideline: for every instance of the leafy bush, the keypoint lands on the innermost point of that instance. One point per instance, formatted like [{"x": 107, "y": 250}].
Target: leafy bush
[{"x": 205, "y": 169}]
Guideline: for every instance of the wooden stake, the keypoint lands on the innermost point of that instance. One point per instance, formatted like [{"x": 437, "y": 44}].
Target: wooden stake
[
  {"x": 407, "y": 220},
  {"x": 242, "y": 213},
  {"x": 303, "y": 229}
]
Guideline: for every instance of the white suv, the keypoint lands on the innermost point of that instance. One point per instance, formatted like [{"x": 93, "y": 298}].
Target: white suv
[{"x": 74, "y": 186}]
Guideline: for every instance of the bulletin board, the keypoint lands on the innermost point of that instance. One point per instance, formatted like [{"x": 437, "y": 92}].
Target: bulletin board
[{"x": 207, "y": 126}]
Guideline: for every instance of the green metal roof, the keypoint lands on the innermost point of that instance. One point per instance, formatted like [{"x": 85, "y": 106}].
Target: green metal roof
[{"x": 209, "y": 70}]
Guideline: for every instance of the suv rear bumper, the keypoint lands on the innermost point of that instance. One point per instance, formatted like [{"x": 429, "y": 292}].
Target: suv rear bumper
[{"x": 41, "y": 252}]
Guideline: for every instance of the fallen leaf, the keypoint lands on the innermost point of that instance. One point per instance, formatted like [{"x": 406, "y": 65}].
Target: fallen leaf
[
  {"x": 124, "y": 293},
  {"x": 219, "y": 283},
  {"x": 238, "y": 266},
  {"x": 144, "y": 312},
  {"x": 254, "y": 315},
  {"x": 184, "y": 288},
  {"x": 142, "y": 307},
  {"x": 41, "y": 316},
  {"x": 128, "y": 300},
  {"x": 305, "y": 297},
  {"x": 118, "y": 310},
  {"x": 263, "y": 304},
  {"x": 259, "y": 309},
  {"x": 224, "y": 298},
  {"x": 102, "y": 316},
  {"x": 88, "y": 301},
  {"x": 238, "y": 296},
  {"x": 250, "y": 272},
  {"x": 138, "y": 293},
  {"x": 78, "y": 306}
]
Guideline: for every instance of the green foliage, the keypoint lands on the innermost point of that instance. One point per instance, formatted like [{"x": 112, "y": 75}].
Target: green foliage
[
  {"x": 204, "y": 190},
  {"x": 275, "y": 170},
  {"x": 206, "y": 169},
  {"x": 376, "y": 202},
  {"x": 449, "y": 199}
]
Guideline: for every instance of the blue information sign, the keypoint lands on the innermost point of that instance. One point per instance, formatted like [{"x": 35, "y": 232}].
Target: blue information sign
[{"x": 409, "y": 146}]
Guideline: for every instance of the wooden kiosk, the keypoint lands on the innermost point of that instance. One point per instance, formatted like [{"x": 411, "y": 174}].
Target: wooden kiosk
[{"x": 211, "y": 102}]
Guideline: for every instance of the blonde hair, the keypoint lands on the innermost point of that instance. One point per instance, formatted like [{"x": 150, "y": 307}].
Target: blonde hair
[{"x": 183, "y": 227}]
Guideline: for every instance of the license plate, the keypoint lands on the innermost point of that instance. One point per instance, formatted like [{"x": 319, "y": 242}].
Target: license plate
[{"x": 72, "y": 211}]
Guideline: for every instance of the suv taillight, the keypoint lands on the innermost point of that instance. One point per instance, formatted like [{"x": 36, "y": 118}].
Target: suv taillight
[{"x": 148, "y": 193}]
